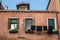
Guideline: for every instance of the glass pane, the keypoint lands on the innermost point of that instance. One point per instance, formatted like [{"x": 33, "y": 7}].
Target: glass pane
[
  {"x": 27, "y": 27},
  {"x": 51, "y": 23},
  {"x": 13, "y": 21},
  {"x": 13, "y": 26},
  {"x": 28, "y": 23}
]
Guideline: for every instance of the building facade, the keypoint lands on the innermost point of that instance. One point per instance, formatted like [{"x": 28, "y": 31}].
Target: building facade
[{"x": 25, "y": 24}]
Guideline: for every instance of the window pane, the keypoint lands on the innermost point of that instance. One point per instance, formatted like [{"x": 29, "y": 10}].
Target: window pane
[
  {"x": 28, "y": 27},
  {"x": 28, "y": 23},
  {"x": 51, "y": 23},
  {"x": 39, "y": 28},
  {"x": 13, "y": 20},
  {"x": 13, "y": 23},
  {"x": 12, "y": 26}
]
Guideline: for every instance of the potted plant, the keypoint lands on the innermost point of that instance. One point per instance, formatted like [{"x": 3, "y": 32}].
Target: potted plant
[
  {"x": 55, "y": 32},
  {"x": 13, "y": 30}
]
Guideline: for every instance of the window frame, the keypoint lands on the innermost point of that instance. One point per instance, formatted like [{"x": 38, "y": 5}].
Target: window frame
[
  {"x": 54, "y": 21},
  {"x": 9, "y": 24},
  {"x": 28, "y": 18}
]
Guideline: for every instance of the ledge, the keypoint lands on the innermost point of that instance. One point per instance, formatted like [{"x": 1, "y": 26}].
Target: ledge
[{"x": 44, "y": 11}]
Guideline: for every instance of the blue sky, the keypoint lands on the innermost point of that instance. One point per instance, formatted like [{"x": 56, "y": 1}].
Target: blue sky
[{"x": 34, "y": 4}]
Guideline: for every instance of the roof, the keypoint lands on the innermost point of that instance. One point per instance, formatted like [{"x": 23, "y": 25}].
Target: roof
[
  {"x": 48, "y": 4},
  {"x": 23, "y": 3}
]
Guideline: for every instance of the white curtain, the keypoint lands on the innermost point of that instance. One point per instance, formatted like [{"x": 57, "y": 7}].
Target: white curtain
[{"x": 13, "y": 26}]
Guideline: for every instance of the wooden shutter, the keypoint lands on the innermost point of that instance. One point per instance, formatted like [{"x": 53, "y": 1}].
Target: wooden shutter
[{"x": 9, "y": 25}]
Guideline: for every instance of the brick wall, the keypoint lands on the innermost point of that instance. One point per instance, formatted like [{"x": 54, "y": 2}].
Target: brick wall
[{"x": 40, "y": 20}]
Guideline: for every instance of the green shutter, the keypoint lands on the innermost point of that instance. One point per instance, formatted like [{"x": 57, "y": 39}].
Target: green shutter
[
  {"x": 18, "y": 23},
  {"x": 9, "y": 25}
]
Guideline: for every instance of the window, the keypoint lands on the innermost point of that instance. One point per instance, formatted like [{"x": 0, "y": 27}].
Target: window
[
  {"x": 28, "y": 23},
  {"x": 52, "y": 24},
  {"x": 13, "y": 23},
  {"x": 45, "y": 28},
  {"x": 39, "y": 28},
  {"x": 23, "y": 8},
  {"x": 52, "y": 27},
  {"x": 33, "y": 27}
]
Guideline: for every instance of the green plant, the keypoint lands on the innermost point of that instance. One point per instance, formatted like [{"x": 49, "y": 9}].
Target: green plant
[
  {"x": 55, "y": 32},
  {"x": 13, "y": 30}
]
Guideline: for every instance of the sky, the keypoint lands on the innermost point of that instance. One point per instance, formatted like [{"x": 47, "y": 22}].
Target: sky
[{"x": 34, "y": 4}]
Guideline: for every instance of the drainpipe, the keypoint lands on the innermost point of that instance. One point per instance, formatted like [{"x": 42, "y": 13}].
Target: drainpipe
[{"x": 57, "y": 24}]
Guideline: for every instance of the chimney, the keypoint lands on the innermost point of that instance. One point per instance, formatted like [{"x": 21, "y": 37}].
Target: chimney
[{"x": 23, "y": 6}]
